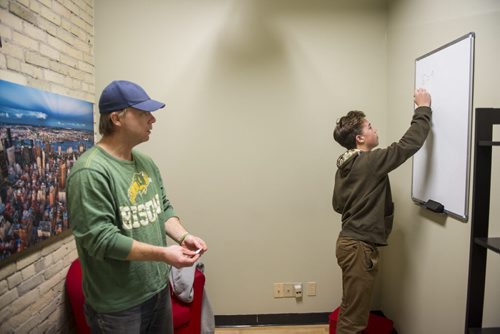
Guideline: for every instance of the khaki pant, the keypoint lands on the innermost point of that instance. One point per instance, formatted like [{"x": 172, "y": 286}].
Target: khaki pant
[{"x": 359, "y": 263}]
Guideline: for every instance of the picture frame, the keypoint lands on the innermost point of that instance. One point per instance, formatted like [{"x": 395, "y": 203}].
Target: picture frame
[{"x": 42, "y": 134}]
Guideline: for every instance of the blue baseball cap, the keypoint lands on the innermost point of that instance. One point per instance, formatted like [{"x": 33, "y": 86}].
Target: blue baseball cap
[{"x": 121, "y": 94}]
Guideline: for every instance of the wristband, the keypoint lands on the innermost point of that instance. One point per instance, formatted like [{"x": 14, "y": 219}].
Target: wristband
[{"x": 181, "y": 240}]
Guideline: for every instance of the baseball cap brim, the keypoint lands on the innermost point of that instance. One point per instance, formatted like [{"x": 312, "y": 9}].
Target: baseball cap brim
[{"x": 149, "y": 105}]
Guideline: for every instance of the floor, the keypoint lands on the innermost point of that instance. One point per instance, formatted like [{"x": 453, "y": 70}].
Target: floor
[{"x": 310, "y": 329}]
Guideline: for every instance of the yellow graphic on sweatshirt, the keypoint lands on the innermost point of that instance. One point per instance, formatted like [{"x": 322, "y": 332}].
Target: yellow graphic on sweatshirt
[
  {"x": 139, "y": 186},
  {"x": 143, "y": 214}
]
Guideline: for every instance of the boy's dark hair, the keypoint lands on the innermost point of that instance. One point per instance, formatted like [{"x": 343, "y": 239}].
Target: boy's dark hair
[{"x": 348, "y": 127}]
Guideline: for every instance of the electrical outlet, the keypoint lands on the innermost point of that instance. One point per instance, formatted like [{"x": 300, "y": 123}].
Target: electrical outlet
[
  {"x": 288, "y": 290},
  {"x": 278, "y": 290},
  {"x": 311, "y": 288}
]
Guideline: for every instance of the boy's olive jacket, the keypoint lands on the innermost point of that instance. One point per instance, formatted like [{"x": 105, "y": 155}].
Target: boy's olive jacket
[{"x": 362, "y": 191}]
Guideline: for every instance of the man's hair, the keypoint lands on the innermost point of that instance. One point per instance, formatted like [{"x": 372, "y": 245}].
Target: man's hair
[
  {"x": 106, "y": 126},
  {"x": 348, "y": 127}
]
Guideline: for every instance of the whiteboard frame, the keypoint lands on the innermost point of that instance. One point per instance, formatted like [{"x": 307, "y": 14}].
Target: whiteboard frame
[{"x": 463, "y": 216}]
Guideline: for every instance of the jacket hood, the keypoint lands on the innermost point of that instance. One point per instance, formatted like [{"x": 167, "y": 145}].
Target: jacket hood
[{"x": 347, "y": 156}]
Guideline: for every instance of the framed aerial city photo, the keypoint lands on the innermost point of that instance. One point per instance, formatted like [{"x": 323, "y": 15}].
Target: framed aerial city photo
[{"x": 42, "y": 134}]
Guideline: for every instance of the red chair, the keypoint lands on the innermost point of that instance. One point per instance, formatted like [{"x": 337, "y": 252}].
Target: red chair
[
  {"x": 186, "y": 316},
  {"x": 376, "y": 324},
  {"x": 74, "y": 290}
]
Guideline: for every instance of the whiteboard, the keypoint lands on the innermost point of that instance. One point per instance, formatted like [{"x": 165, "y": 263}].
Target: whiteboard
[{"x": 440, "y": 169}]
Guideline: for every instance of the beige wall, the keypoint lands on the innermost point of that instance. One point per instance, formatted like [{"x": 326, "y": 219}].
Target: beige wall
[
  {"x": 424, "y": 280},
  {"x": 253, "y": 89}
]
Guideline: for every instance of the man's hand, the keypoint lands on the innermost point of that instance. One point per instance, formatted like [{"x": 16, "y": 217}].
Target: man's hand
[
  {"x": 174, "y": 255},
  {"x": 179, "y": 256},
  {"x": 195, "y": 243}
]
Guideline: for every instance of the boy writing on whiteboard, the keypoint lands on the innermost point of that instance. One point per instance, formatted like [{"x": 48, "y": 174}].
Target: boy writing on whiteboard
[{"x": 362, "y": 195}]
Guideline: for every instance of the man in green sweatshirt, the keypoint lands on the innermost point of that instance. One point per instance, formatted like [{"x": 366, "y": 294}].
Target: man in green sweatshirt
[
  {"x": 362, "y": 195},
  {"x": 120, "y": 215}
]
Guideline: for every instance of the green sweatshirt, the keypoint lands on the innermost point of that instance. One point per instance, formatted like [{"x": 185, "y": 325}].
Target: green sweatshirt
[
  {"x": 362, "y": 192},
  {"x": 110, "y": 203}
]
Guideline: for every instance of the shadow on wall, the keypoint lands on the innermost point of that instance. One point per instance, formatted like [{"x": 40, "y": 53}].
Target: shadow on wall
[
  {"x": 260, "y": 36},
  {"x": 248, "y": 36},
  {"x": 251, "y": 33}
]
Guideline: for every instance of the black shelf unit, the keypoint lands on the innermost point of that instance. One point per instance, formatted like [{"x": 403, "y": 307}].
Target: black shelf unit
[{"x": 480, "y": 243}]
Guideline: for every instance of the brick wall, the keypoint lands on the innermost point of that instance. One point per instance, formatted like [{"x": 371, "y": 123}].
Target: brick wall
[{"x": 46, "y": 44}]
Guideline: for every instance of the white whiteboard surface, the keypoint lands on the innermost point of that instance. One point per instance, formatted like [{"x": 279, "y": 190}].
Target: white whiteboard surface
[{"x": 441, "y": 167}]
